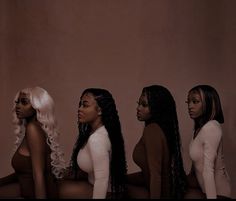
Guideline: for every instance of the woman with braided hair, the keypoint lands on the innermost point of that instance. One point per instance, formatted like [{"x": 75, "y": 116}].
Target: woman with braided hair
[
  {"x": 98, "y": 159},
  {"x": 158, "y": 152}
]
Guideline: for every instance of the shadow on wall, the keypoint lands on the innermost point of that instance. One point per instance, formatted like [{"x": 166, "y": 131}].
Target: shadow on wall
[{"x": 229, "y": 144}]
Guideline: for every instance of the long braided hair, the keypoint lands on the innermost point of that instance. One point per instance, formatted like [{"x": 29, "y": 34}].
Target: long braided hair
[
  {"x": 110, "y": 119},
  {"x": 163, "y": 112}
]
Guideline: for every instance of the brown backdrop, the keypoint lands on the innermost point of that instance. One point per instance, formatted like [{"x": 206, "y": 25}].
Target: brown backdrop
[{"x": 66, "y": 46}]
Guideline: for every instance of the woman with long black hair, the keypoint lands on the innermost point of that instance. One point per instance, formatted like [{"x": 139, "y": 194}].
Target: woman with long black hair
[
  {"x": 158, "y": 152},
  {"x": 98, "y": 159}
]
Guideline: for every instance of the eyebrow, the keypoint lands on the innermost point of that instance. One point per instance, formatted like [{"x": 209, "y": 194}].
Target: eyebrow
[
  {"x": 194, "y": 97},
  {"x": 143, "y": 101},
  {"x": 85, "y": 101},
  {"x": 22, "y": 98}
]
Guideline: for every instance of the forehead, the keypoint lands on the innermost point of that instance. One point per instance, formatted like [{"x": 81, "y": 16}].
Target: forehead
[
  {"x": 88, "y": 97},
  {"x": 143, "y": 96},
  {"x": 194, "y": 94},
  {"x": 23, "y": 95}
]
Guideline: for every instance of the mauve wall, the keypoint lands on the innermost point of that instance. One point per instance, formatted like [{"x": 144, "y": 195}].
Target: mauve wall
[{"x": 66, "y": 46}]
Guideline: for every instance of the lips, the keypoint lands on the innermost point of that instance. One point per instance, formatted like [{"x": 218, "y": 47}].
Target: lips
[
  {"x": 80, "y": 116},
  {"x": 18, "y": 112},
  {"x": 139, "y": 115},
  {"x": 191, "y": 113}
]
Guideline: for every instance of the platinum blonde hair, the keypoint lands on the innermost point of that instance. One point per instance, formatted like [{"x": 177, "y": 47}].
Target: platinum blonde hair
[{"x": 43, "y": 104}]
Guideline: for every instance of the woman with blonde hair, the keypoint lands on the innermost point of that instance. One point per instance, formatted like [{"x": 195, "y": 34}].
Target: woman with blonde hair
[{"x": 37, "y": 160}]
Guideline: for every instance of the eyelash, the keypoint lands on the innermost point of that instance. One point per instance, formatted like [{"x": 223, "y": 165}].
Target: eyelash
[
  {"x": 143, "y": 104},
  {"x": 22, "y": 102},
  {"x": 83, "y": 105},
  {"x": 194, "y": 102}
]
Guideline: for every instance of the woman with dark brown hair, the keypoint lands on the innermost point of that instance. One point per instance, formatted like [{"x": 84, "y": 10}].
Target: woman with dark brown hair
[{"x": 206, "y": 147}]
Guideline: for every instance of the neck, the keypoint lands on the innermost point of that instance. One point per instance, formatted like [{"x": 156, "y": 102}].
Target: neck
[
  {"x": 30, "y": 119},
  {"x": 96, "y": 124}
]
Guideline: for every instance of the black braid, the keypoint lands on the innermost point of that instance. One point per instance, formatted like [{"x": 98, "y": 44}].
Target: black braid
[
  {"x": 110, "y": 119},
  {"x": 163, "y": 112}
]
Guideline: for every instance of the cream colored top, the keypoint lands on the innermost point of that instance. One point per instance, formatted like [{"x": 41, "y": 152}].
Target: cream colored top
[
  {"x": 206, "y": 152},
  {"x": 94, "y": 158}
]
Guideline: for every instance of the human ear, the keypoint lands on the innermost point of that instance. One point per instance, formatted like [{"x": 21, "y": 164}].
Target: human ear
[{"x": 99, "y": 111}]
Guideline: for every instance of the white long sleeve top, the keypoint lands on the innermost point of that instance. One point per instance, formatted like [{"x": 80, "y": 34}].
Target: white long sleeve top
[
  {"x": 94, "y": 158},
  {"x": 206, "y": 152}
]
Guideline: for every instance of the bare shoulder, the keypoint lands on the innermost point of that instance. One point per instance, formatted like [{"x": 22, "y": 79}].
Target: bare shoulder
[
  {"x": 35, "y": 138},
  {"x": 34, "y": 130},
  {"x": 154, "y": 131}
]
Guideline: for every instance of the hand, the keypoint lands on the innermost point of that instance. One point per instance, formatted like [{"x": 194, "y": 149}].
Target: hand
[{"x": 192, "y": 181}]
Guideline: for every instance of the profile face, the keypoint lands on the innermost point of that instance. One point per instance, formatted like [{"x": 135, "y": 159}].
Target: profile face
[
  {"x": 24, "y": 109},
  {"x": 88, "y": 111},
  {"x": 195, "y": 105},
  {"x": 143, "y": 110}
]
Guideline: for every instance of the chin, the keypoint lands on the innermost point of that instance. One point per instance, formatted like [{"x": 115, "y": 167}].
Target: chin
[
  {"x": 192, "y": 117},
  {"x": 80, "y": 121},
  {"x": 140, "y": 119},
  {"x": 19, "y": 117}
]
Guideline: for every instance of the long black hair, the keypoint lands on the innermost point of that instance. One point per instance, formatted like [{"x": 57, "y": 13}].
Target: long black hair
[
  {"x": 163, "y": 112},
  {"x": 110, "y": 119},
  {"x": 212, "y": 109}
]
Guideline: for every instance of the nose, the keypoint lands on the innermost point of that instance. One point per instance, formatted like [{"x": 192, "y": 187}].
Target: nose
[
  {"x": 79, "y": 109},
  {"x": 17, "y": 106},
  {"x": 138, "y": 108},
  {"x": 190, "y": 106}
]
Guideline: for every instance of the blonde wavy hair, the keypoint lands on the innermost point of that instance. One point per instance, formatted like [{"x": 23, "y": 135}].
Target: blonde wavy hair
[{"x": 43, "y": 104}]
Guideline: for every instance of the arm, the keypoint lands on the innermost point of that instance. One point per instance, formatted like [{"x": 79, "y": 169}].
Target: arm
[
  {"x": 153, "y": 144},
  {"x": 8, "y": 179},
  {"x": 99, "y": 149},
  {"x": 212, "y": 136},
  {"x": 36, "y": 142}
]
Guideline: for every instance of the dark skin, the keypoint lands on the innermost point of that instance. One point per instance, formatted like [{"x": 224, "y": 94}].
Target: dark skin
[
  {"x": 151, "y": 143},
  {"x": 33, "y": 145},
  {"x": 89, "y": 113}
]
